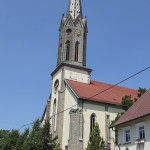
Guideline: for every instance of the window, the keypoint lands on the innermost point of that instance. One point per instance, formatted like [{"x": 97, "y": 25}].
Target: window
[
  {"x": 126, "y": 135},
  {"x": 76, "y": 51},
  {"x": 140, "y": 131},
  {"x": 68, "y": 31},
  {"x": 92, "y": 122},
  {"x": 66, "y": 147},
  {"x": 56, "y": 85},
  {"x": 67, "y": 50},
  {"x": 54, "y": 114}
]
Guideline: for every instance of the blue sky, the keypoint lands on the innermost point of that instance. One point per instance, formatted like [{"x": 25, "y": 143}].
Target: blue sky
[{"x": 118, "y": 46}]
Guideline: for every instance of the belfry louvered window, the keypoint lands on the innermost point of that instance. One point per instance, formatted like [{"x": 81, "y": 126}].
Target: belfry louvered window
[
  {"x": 76, "y": 51},
  {"x": 67, "y": 50}
]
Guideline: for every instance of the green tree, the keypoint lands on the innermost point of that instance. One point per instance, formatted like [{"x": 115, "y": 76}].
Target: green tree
[
  {"x": 96, "y": 142},
  {"x": 21, "y": 139},
  {"x": 127, "y": 102},
  {"x": 116, "y": 129},
  {"x": 141, "y": 91},
  {"x": 3, "y": 134},
  {"x": 10, "y": 140},
  {"x": 39, "y": 138}
]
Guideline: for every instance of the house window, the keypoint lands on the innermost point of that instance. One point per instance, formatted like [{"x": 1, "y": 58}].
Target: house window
[
  {"x": 140, "y": 131},
  {"x": 127, "y": 135},
  {"x": 92, "y": 122},
  {"x": 67, "y": 50},
  {"x": 76, "y": 51}
]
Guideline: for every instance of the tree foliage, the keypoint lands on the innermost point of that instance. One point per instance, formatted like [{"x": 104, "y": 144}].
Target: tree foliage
[
  {"x": 127, "y": 101},
  {"x": 39, "y": 138},
  {"x": 96, "y": 142}
]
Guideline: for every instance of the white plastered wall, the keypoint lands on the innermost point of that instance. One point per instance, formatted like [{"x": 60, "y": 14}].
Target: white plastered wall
[
  {"x": 44, "y": 118},
  {"x": 70, "y": 100},
  {"x": 99, "y": 110},
  {"x": 133, "y": 145},
  {"x": 58, "y": 75},
  {"x": 76, "y": 75}
]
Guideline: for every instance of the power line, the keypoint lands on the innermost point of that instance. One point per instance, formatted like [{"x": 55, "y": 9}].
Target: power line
[
  {"x": 120, "y": 82},
  {"x": 25, "y": 125},
  {"x": 98, "y": 93},
  {"x": 106, "y": 89}
]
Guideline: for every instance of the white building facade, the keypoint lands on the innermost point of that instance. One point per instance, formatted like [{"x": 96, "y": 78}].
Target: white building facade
[
  {"x": 134, "y": 126},
  {"x": 74, "y": 106}
]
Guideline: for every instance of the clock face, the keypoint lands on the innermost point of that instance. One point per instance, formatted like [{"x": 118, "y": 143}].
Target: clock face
[{"x": 78, "y": 32}]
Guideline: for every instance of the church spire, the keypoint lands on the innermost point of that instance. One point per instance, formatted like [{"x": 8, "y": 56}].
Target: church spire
[
  {"x": 73, "y": 36},
  {"x": 75, "y": 9}
]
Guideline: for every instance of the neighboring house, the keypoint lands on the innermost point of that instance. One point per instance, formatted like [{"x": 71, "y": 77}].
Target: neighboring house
[
  {"x": 134, "y": 126},
  {"x": 71, "y": 86}
]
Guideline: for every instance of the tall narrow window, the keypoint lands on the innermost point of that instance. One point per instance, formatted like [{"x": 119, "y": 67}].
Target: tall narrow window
[
  {"x": 67, "y": 50},
  {"x": 76, "y": 51},
  {"x": 92, "y": 122},
  {"x": 54, "y": 114},
  {"x": 141, "y": 133},
  {"x": 126, "y": 135}
]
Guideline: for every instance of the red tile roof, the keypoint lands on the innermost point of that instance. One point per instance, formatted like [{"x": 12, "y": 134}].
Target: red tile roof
[
  {"x": 140, "y": 109},
  {"x": 112, "y": 96}
]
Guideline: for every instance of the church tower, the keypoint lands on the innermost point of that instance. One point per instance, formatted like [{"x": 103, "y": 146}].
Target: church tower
[
  {"x": 73, "y": 36},
  {"x": 71, "y": 109},
  {"x": 71, "y": 66}
]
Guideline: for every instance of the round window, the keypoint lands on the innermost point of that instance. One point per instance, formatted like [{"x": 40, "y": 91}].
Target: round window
[{"x": 68, "y": 31}]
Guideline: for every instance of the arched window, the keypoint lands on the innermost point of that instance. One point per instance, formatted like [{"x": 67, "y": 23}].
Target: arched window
[
  {"x": 67, "y": 50},
  {"x": 56, "y": 85},
  {"x": 54, "y": 114},
  {"x": 76, "y": 51},
  {"x": 93, "y": 116}
]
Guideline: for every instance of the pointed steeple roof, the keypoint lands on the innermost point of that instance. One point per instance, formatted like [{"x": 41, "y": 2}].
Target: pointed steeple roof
[{"x": 75, "y": 9}]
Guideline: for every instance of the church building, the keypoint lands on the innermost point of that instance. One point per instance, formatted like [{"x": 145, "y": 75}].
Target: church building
[{"x": 76, "y": 102}]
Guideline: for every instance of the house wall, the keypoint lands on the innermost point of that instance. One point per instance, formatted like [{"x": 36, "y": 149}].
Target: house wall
[
  {"x": 99, "y": 109},
  {"x": 133, "y": 145}
]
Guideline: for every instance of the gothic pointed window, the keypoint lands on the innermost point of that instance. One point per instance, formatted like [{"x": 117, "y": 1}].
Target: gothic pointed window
[
  {"x": 77, "y": 51},
  {"x": 93, "y": 116},
  {"x": 67, "y": 50},
  {"x": 54, "y": 115}
]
